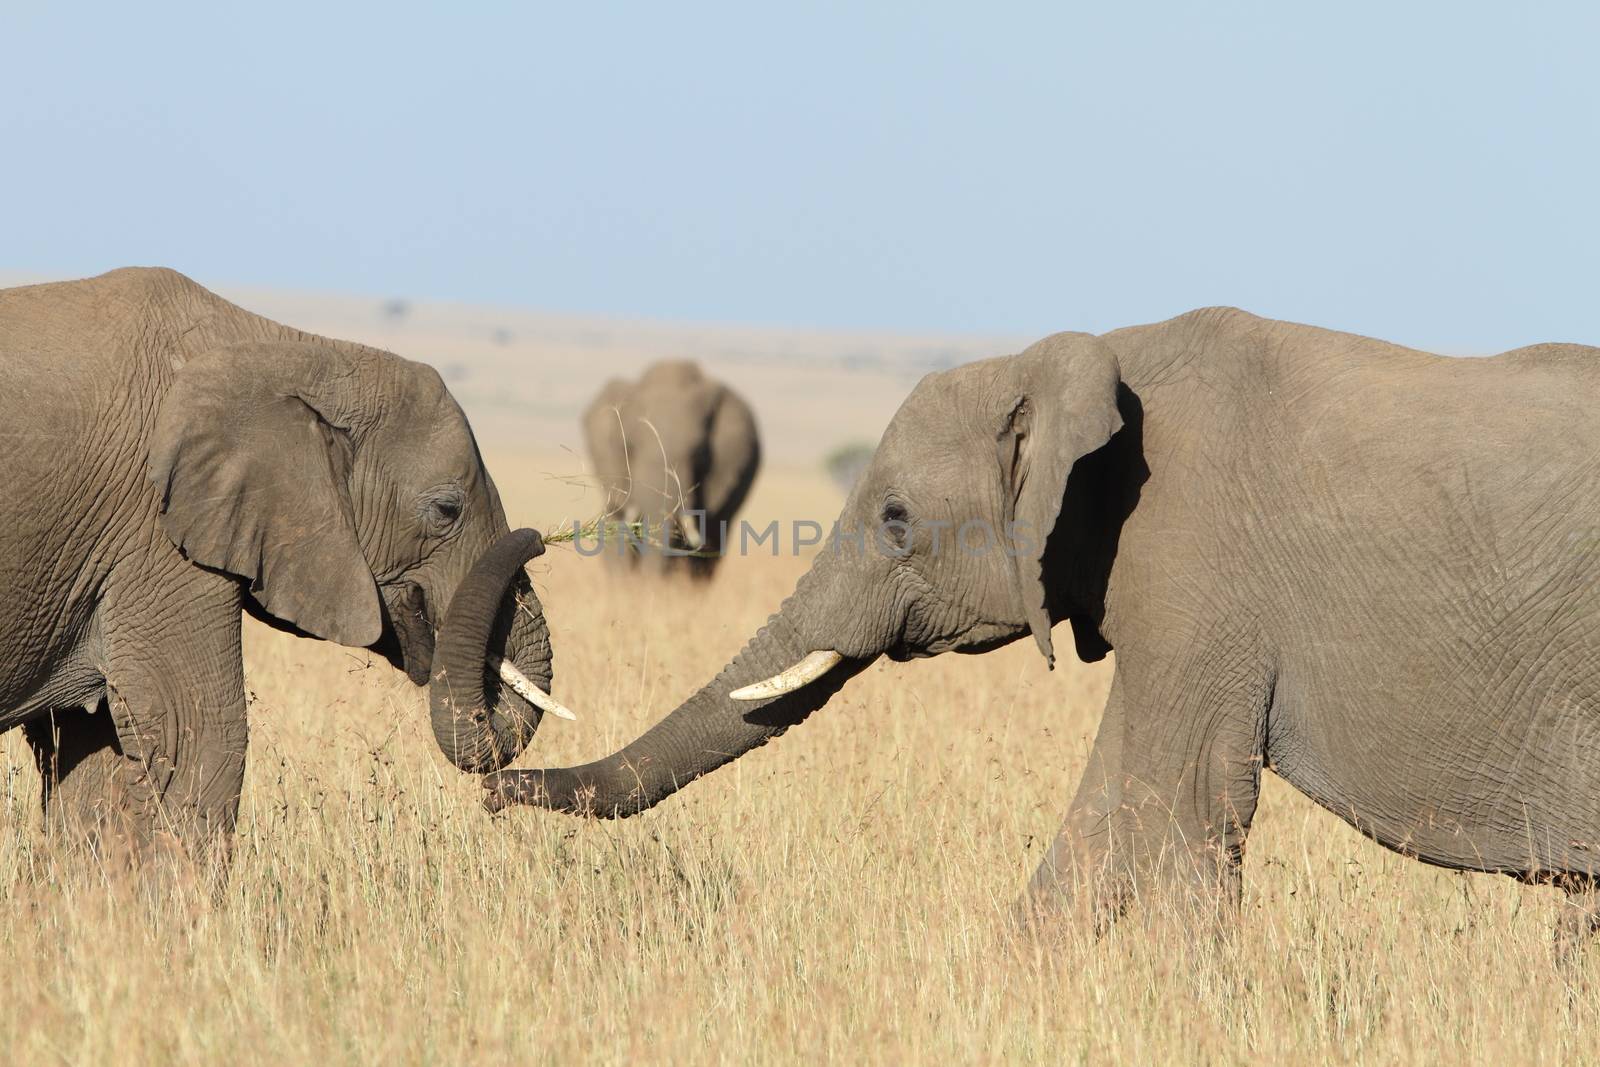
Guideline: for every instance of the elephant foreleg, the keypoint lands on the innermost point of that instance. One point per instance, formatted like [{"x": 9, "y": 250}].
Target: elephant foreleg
[
  {"x": 1165, "y": 801},
  {"x": 163, "y": 764},
  {"x": 1080, "y": 870}
]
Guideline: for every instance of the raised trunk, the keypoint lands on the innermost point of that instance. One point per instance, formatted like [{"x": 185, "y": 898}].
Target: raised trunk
[
  {"x": 479, "y": 723},
  {"x": 700, "y": 735}
]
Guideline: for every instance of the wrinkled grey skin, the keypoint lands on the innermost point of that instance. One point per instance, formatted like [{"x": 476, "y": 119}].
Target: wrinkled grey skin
[
  {"x": 670, "y": 444},
  {"x": 172, "y": 460},
  {"x": 1367, "y": 568}
]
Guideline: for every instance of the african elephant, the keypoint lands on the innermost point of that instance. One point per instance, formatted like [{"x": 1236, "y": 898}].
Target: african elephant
[
  {"x": 1373, "y": 570},
  {"x": 675, "y": 451},
  {"x": 173, "y": 460}
]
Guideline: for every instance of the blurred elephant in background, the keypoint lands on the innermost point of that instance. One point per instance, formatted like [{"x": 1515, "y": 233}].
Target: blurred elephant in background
[
  {"x": 1373, "y": 570},
  {"x": 173, "y": 460},
  {"x": 675, "y": 451}
]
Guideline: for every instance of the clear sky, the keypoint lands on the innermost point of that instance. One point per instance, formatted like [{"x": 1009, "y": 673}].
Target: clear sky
[{"x": 1425, "y": 172}]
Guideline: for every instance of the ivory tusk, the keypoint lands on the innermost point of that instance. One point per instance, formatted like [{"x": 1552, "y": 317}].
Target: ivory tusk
[
  {"x": 691, "y": 531},
  {"x": 799, "y": 676},
  {"x": 528, "y": 691}
]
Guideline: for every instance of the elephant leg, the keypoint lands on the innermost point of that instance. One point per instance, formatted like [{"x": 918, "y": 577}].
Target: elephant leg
[
  {"x": 175, "y": 693},
  {"x": 624, "y": 545},
  {"x": 703, "y": 565},
  {"x": 91, "y": 791},
  {"x": 1166, "y": 799},
  {"x": 1078, "y": 869}
]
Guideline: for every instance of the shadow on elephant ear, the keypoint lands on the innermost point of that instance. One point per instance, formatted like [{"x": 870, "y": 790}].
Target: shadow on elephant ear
[{"x": 1102, "y": 491}]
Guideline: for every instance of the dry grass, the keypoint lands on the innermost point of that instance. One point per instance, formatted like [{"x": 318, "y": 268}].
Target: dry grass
[{"x": 841, "y": 894}]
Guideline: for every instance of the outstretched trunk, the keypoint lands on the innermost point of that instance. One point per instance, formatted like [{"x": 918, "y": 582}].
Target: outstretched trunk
[
  {"x": 480, "y": 724},
  {"x": 700, "y": 735}
]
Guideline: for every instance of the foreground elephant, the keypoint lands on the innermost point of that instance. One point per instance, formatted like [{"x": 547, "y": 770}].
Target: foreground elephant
[
  {"x": 1373, "y": 570},
  {"x": 171, "y": 460},
  {"x": 675, "y": 451}
]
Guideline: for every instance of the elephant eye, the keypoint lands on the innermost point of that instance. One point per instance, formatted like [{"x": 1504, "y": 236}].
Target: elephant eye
[
  {"x": 440, "y": 510},
  {"x": 896, "y": 523}
]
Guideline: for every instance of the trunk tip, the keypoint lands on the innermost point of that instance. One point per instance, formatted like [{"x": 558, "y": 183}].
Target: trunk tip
[{"x": 530, "y": 542}]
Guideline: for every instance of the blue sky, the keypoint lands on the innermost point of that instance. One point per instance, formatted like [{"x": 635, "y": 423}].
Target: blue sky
[{"x": 1425, "y": 172}]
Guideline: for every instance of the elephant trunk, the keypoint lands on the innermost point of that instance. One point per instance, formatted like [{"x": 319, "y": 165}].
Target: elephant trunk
[
  {"x": 493, "y": 644},
  {"x": 709, "y": 729}
]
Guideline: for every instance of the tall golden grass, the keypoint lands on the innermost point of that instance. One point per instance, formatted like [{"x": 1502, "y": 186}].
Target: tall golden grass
[{"x": 842, "y": 894}]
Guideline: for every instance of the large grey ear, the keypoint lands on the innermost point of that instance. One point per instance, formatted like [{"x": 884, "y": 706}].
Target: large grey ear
[
  {"x": 603, "y": 436},
  {"x": 1065, "y": 407},
  {"x": 735, "y": 453},
  {"x": 251, "y": 457}
]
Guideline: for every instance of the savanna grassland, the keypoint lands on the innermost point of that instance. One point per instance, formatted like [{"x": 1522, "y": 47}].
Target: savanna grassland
[{"x": 842, "y": 894}]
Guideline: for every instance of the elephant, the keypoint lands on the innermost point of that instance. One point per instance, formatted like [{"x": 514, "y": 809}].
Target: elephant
[
  {"x": 172, "y": 461},
  {"x": 1373, "y": 570},
  {"x": 676, "y": 453}
]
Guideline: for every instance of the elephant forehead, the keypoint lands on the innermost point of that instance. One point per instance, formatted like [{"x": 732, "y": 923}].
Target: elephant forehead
[
  {"x": 426, "y": 441},
  {"x": 935, "y": 467},
  {"x": 951, "y": 407}
]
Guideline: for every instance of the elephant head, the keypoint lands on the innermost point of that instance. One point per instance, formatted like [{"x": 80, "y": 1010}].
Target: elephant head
[
  {"x": 675, "y": 451},
  {"x": 941, "y": 547},
  {"x": 343, "y": 487}
]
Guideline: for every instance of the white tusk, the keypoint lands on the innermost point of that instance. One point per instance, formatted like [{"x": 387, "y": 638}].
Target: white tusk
[
  {"x": 800, "y": 675},
  {"x": 528, "y": 691},
  {"x": 691, "y": 531}
]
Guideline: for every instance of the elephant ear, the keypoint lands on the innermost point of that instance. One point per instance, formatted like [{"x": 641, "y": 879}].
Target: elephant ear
[
  {"x": 1064, "y": 408},
  {"x": 735, "y": 445},
  {"x": 250, "y": 458},
  {"x": 603, "y": 436}
]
